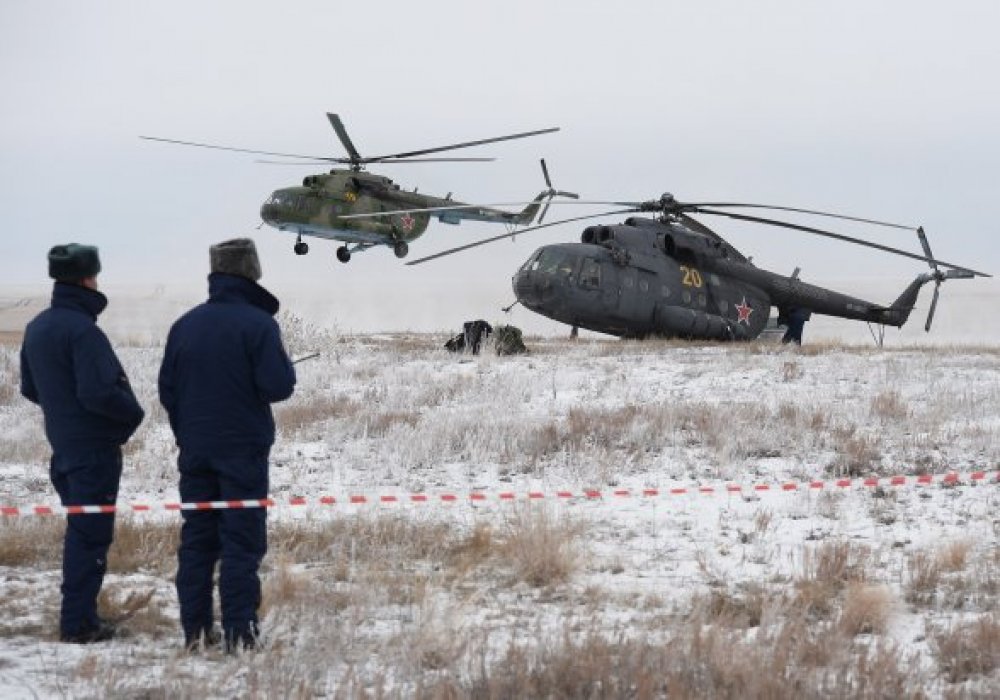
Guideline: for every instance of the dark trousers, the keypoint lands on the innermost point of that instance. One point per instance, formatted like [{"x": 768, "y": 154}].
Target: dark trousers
[
  {"x": 87, "y": 477},
  {"x": 236, "y": 538}
]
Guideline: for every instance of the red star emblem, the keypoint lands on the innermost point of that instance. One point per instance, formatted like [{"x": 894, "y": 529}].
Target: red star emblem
[
  {"x": 407, "y": 221},
  {"x": 743, "y": 310}
]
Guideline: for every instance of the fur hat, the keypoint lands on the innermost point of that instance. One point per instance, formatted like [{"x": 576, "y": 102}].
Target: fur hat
[
  {"x": 236, "y": 257},
  {"x": 73, "y": 262}
]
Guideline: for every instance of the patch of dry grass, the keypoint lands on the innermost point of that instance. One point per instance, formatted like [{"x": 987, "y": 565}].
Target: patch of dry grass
[
  {"x": 969, "y": 649},
  {"x": 827, "y": 570},
  {"x": 144, "y": 545},
  {"x": 298, "y": 413},
  {"x": 889, "y": 406},
  {"x": 542, "y": 547},
  {"x": 29, "y": 541},
  {"x": 865, "y": 610}
]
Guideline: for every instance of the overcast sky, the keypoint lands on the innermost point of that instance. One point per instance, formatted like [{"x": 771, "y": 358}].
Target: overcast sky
[{"x": 884, "y": 109}]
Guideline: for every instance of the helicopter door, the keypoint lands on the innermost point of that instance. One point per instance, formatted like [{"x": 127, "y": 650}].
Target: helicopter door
[{"x": 635, "y": 302}]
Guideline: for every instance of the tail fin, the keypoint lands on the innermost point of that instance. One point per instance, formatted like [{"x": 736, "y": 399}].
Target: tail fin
[
  {"x": 527, "y": 215},
  {"x": 899, "y": 312}
]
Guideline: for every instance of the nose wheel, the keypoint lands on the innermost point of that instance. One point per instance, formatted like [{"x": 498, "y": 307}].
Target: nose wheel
[
  {"x": 343, "y": 254},
  {"x": 300, "y": 247},
  {"x": 400, "y": 249}
]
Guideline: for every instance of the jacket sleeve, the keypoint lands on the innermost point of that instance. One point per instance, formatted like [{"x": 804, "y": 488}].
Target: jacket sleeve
[
  {"x": 101, "y": 384},
  {"x": 166, "y": 384},
  {"x": 274, "y": 374},
  {"x": 28, "y": 389}
]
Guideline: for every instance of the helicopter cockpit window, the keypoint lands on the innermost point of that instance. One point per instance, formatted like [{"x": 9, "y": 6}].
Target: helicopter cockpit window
[
  {"x": 531, "y": 263},
  {"x": 554, "y": 261},
  {"x": 590, "y": 273}
]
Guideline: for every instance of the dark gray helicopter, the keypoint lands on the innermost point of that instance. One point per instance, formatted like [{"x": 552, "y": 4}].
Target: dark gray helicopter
[{"x": 672, "y": 276}]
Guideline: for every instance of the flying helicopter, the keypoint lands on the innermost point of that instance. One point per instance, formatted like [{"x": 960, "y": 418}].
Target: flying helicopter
[
  {"x": 322, "y": 206},
  {"x": 672, "y": 276}
]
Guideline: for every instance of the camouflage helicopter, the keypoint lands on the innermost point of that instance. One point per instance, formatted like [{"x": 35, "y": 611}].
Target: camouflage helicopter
[
  {"x": 324, "y": 204},
  {"x": 673, "y": 276}
]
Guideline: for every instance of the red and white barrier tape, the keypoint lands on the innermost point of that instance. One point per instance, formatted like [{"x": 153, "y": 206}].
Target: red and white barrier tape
[{"x": 950, "y": 479}]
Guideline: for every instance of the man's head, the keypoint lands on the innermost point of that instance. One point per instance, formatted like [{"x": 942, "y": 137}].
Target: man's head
[
  {"x": 75, "y": 264},
  {"x": 236, "y": 257}
]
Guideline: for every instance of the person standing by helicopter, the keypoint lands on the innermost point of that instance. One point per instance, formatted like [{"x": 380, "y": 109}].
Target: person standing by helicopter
[
  {"x": 69, "y": 368},
  {"x": 223, "y": 367}
]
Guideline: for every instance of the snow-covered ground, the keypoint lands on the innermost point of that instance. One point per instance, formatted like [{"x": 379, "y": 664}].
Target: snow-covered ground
[{"x": 430, "y": 598}]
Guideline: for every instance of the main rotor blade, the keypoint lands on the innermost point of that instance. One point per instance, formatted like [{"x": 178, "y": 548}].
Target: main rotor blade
[
  {"x": 434, "y": 160},
  {"x": 407, "y": 160},
  {"x": 338, "y": 127},
  {"x": 838, "y": 236},
  {"x": 686, "y": 206},
  {"x": 545, "y": 172},
  {"x": 245, "y": 150},
  {"x": 511, "y": 235},
  {"x": 454, "y": 146}
]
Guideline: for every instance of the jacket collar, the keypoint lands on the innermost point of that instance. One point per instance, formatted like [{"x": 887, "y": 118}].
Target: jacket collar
[
  {"x": 223, "y": 288},
  {"x": 78, "y": 298}
]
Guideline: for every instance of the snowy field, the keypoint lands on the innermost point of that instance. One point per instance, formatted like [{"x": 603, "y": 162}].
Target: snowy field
[{"x": 870, "y": 592}]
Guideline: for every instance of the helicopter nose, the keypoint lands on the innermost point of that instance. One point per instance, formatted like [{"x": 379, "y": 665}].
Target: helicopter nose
[
  {"x": 269, "y": 213},
  {"x": 526, "y": 289}
]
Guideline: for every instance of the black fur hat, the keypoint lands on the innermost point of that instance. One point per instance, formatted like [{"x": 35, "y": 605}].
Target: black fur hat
[
  {"x": 236, "y": 257},
  {"x": 73, "y": 262}
]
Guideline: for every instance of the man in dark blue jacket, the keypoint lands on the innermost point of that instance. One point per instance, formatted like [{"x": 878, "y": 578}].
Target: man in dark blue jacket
[
  {"x": 223, "y": 367},
  {"x": 70, "y": 370}
]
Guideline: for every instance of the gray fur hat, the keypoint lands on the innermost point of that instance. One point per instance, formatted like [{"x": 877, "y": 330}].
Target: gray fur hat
[
  {"x": 236, "y": 257},
  {"x": 73, "y": 262}
]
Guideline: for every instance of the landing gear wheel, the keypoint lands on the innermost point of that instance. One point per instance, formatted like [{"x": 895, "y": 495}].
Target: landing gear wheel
[
  {"x": 400, "y": 249},
  {"x": 301, "y": 248},
  {"x": 343, "y": 254}
]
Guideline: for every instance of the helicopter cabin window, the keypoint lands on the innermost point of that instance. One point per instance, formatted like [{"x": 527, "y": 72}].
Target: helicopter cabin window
[
  {"x": 702, "y": 301},
  {"x": 686, "y": 296},
  {"x": 643, "y": 285},
  {"x": 664, "y": 291},
  {"x": 714, "y": 280},
  {"x": 590, "y": 274},
  {"x": 629, "y": 281}
]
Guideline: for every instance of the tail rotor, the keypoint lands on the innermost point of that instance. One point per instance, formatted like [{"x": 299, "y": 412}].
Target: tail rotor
[
  {"x": 551, "y": 192},
  {"x": 938, "y": 276}
]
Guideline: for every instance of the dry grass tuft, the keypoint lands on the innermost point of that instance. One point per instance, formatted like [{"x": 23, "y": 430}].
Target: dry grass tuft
[
  {"x": 966, "y": 650},
  {"x": 743, "y": 609},
  {"x": 827, "y": 571},
  {"x": 923, "y": 578},
  {"x": 542, "y": 547},
  {"x": 474, "y": 550},
  {"x": 297, "y": 414},
  {"x": 888, "y": 406},
  {"x": 31, "y": 541},
  {"x": 144, "y": 545},
  {"x": 865, "y": 610},
  {"x": 857, "y": 455},
  {"x": 954, "y": 556},
  {"x": 138, "y": 612}
]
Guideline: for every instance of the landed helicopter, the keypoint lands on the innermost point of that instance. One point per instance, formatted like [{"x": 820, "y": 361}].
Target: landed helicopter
[
  {"x": 324, "y": 204},
  {"x": 672, "y": 276}
]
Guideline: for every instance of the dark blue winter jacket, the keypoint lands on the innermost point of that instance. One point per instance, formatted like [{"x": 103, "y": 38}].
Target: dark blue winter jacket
[
  {"x": 223, "y": 367},
  {"x": 69, "y": 368}
]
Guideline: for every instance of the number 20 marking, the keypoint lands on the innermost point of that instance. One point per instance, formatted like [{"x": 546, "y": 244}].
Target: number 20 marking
[{"x": 692, "y": 278}]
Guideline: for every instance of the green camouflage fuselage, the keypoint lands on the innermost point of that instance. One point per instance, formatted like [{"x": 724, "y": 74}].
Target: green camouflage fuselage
[{"x": 317, "y": 207}]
